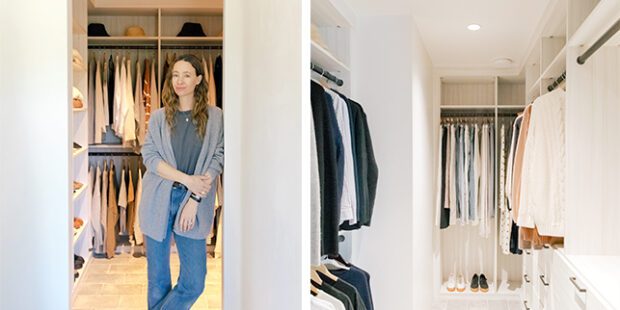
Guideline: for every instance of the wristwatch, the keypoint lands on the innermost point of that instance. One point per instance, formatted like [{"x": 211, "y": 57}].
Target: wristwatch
[{"x": 195, "y": 198}]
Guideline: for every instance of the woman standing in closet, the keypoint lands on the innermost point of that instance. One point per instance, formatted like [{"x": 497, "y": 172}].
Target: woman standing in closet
[{"x": 183, "y": 154}]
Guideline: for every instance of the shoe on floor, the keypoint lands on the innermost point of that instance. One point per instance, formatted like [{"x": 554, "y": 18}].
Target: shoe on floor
[
  {"x": 484, "y": 286},
  {"x": 474, "y": 283},
  {"x": 460, "y": 283},
  {"x": 451, "y": 285}
]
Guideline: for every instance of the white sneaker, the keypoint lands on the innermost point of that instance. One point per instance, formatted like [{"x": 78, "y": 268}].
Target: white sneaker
[
  {"x": 451, "y": 284},
  {"x": 460, "y": 283}
]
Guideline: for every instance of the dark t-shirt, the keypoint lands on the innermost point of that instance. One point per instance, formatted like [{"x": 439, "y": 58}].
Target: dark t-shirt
[{"x": 186, "y": 143}]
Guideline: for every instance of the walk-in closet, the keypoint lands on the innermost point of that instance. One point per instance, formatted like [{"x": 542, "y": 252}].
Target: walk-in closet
[{"x": 394, "y": 154}]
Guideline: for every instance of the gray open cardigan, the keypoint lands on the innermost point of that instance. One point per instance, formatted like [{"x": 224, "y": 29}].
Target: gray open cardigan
[{"x": 155, "y": 204}]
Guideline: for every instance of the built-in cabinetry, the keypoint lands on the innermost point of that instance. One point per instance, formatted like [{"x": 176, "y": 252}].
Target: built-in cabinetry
[
  {"x": 584, "y": 273},
  {"x": 461, "y": 249},
  {"x": 80, "y": 204}
]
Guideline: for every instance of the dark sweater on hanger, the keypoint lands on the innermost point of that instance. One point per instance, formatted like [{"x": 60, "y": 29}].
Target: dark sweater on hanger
[
  {"x": 328, "y": 170},
  {"x": 217, "y": 76},
  {"x": 348, "y": 289},
  {"x": 366, "y": 170}
]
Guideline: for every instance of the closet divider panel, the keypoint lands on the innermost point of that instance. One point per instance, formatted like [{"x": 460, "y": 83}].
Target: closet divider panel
[{"x": 593, "y": 153}]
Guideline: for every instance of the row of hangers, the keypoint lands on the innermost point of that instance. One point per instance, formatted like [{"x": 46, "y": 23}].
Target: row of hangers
[{"x": 327, "y": 262}]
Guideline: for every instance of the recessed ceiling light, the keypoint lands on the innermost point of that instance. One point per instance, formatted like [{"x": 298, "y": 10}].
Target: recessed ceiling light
[{"x": 473, "y": 27}]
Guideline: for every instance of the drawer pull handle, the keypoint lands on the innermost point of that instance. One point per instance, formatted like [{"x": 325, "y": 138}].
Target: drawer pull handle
[
  {"x": 542, "y": 279},
  {"x": 527, "y": 280},
  {"x": 574, "y": 281},
  {"x": 525, "y": 305}
]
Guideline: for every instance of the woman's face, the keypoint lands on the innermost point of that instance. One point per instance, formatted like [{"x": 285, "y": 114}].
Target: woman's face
[{"x": 184, "y": 79}]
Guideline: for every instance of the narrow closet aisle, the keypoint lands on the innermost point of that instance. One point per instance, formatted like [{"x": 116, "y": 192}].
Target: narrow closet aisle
[{"x": 121, "y": 284}]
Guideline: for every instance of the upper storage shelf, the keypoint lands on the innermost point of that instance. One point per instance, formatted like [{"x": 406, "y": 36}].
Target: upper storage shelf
[{"x": 332, "y": 13}]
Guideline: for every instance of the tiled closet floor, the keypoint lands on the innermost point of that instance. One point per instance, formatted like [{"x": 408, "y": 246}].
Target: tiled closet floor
[{"x": 120, "y": 283}]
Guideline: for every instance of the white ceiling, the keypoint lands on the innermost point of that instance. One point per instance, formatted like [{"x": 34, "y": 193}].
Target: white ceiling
[{"x": 507, "y": 28}]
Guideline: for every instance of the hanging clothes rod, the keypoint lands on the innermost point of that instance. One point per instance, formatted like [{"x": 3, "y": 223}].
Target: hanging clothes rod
[
  {"x": 557, "y": 82},
  {"x": 326, "y": 74},
  {"x": 113, "y": 154},
  {"x": 151, "y": 47},
  {"x": 600, "y": 42}
]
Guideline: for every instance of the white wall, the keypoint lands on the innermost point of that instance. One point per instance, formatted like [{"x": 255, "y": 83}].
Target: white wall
[
  {"x": 392, "y": 79},
  {"x": 266, "y": 91},
  {"x": 35, "y": 153}
]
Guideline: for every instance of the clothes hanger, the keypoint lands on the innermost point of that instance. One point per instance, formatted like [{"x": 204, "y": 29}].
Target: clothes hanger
[
  {"x": 322, "y": 269},
  {"x": 334, "y": 264},
  {"x": 314, "y": 276},
  {"x": 313, "y": 290}
]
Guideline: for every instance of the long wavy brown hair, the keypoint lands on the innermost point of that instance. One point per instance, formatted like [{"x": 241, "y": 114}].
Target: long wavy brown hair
[{"x": 171, "y": 100}]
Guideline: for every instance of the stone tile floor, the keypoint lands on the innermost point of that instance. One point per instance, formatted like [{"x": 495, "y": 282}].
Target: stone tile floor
[{"x": 120, "y": 283}]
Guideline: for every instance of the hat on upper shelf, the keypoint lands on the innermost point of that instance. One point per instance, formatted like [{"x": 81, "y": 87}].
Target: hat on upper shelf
[
  {"x": 134, "y": 31},
  {"x": 97, "y": 30},
  {"x": 191, "y": 30}
]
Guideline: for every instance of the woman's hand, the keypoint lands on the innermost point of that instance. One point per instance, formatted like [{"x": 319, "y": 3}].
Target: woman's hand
[
  {"x": 198, "y": 184},
  {"x": 188, "y": 215}
]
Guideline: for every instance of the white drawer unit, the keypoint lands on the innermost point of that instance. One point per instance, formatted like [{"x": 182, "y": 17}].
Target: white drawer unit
[{"x": 573, "y": 288}]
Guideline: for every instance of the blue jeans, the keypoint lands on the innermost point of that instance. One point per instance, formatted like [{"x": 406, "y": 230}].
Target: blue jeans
[{"x": 193, "y": 259}]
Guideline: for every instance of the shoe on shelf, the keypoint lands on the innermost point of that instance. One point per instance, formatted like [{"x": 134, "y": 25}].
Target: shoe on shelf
[
  {"x": 474, "y": 283},
  {"x": 79, "y": 258},
  {"x": 77, "y": 222},
  {"x": 460, "y": 283},
  {"x": 451, "y": 285},
  {"x": 76, "y": 146},
  {"x": 484, "y": 286},
  {"x": 76, "y": 185}
]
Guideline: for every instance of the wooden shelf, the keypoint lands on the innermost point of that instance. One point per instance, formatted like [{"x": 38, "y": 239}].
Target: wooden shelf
[
  {"x": 458, "y": 107},
  {"x": 505, "y": 291},
  {"x": 129, "y": 41},
  {"x": 332, "y": 13},
  {"x": 323, "y": 58},
  {"x": 79, "y": 152},
  {"x": 557, "y": 66},
  {"x": 80, "y": 191},
  {"x": 511, "y": 107},
  {"x": 193, "y": 41},
  {"x": 84, "y": 109},
  {"x": 79, "y": 232}
]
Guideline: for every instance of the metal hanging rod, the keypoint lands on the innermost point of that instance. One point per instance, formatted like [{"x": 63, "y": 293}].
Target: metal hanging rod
[
  {"x": 326, "y": 74},
  {"x": 113, "y": 154},
  {"x": 557, "y": 82},
  {"x": 600, "y": 42},
  {"x": 152, "y": 47}
]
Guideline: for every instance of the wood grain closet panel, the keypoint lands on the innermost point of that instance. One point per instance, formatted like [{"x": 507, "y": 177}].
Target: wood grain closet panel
[
  {"x": 593, "y": 154},
  {"x": 467, "y": 94}
]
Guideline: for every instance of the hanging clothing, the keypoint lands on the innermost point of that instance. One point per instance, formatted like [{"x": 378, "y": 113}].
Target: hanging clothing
[
  {"x": 360, "y": 280},
  {"x": 112, "y": 80},
  {"x": 505, "y": 220},
  {"x": 212, "y": 89},
  {"x": 442, "y": 218},
  {"x": 483, "y": 200},
  {"x": 544, "y": 167},
  {"x": 136, "y": 224},
  {"x": 328, "y": 170},
  {"x": 516, "y": 129},
  {"x": 217, "y": 75},
  {"x": 131, "y": 206},
  {"x": 98, "y": 108},
  {"x": 518, "y": 163},
  {"x": 106, "y": 77},
  {"x": 138, "y": 107},
  {"x": 122, "y": 203},
  {"x": 333, "y": 301},
  {"x": 112, "y": 217},
  {"x": 146, "y": 101},
  {"x": 315, "y": 201},
  {"x": 92, "y": 67},
  {"x": 348, "y": 198},
  {"x": 95, "y": 212},
  {"x": 347, "y": 289},
  {"x": 105, "y": 180},
  {"x": 118, "y": 95},
  {"x": 319, "y": 304},
  {"x": 155, "y": 100},
  {"x": 129, "y": 127}
]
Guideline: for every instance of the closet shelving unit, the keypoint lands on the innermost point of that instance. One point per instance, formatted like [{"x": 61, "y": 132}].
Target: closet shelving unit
[
  {"x": 491, "y": 97},
  {"x": 334, "y": 19},
  {"x": 80, "y": 202},
  {"x": 569, "y": 23}
]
